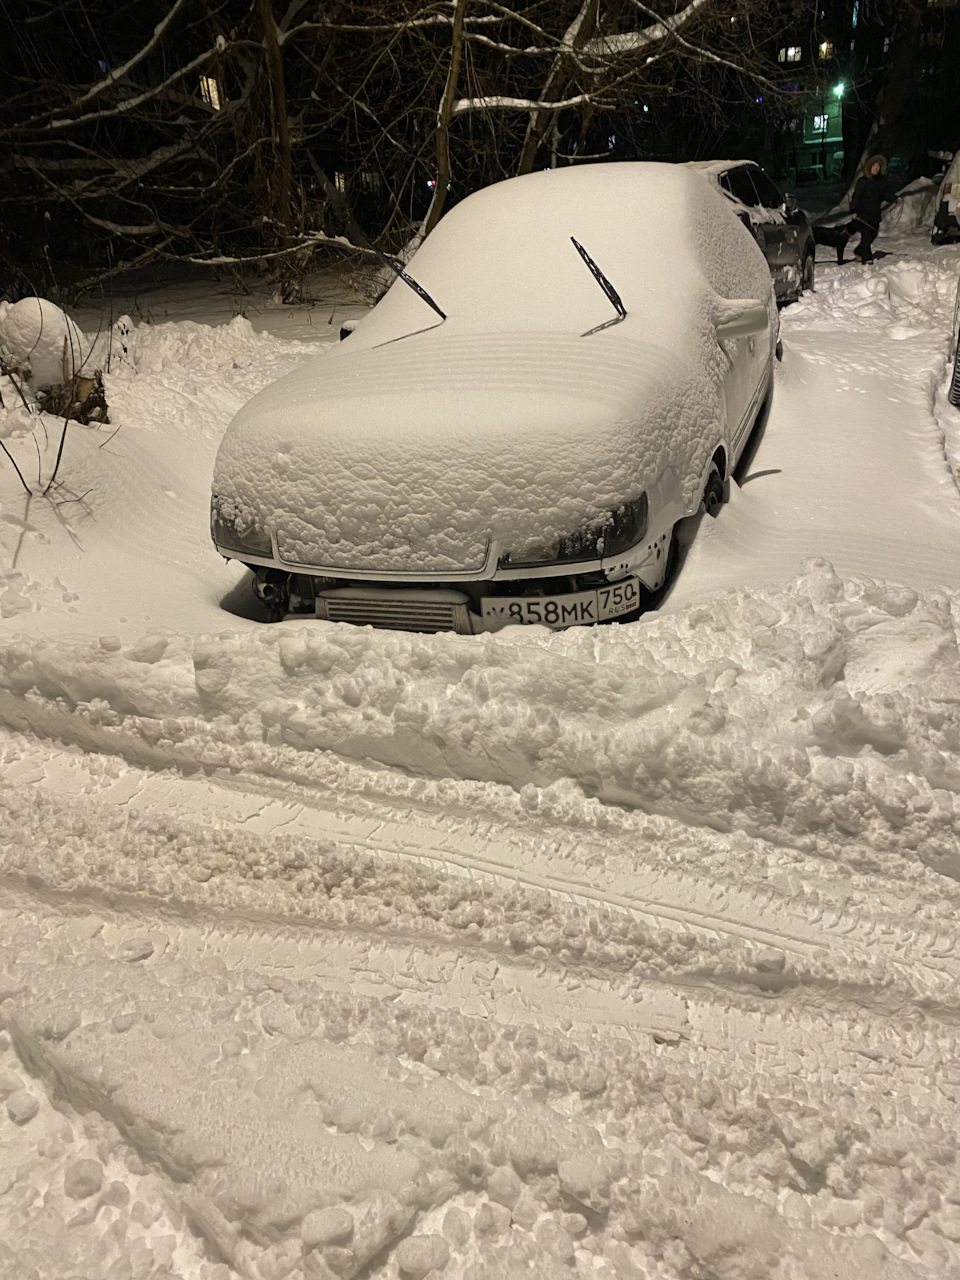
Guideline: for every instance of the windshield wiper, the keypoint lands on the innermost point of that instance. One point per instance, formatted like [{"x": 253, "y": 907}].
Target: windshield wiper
[
  {"x": 408, "y": 279},
  {"x": 358, "y": 235},
  {"x": 607, "y": 288}
]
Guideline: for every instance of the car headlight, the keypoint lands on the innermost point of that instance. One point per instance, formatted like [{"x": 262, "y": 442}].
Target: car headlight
[
  {"x": 617, "y": 532},
  {"x": 235, "y": 533}
]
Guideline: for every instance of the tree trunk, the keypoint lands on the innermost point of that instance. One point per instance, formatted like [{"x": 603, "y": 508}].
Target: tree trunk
[
  {"x": 580, "y": 30},
  {"x": 444, "y": 117},
  {"x": 282, "y": 180},
  {"x": 900, "y": 83}
]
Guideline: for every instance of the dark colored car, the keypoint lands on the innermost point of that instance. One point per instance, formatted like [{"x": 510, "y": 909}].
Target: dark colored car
[{"x": 779, "y": 227}]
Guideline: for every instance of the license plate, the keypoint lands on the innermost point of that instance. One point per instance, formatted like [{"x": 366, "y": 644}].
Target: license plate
[{"x": 571, "y": 610}]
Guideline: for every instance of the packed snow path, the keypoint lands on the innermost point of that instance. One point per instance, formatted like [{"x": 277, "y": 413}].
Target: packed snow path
[
  {"x": 851, "y": 466},
  {"x": 629, "y": 952}
]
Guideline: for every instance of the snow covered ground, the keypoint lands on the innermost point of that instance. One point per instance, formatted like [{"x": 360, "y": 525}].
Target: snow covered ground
[{"x": 628, "y": 952}]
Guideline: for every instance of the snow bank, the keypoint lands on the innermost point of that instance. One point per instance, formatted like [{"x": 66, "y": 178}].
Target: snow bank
[
  {"x": 804, "y": 714},
  {"x": 913, "y": 209},
  {"x": 899, "y": 296}
]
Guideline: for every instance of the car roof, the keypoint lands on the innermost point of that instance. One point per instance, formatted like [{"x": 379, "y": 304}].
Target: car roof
[
  {"x": 504, "y": 257},
  {"x": 715, "y": 167}
]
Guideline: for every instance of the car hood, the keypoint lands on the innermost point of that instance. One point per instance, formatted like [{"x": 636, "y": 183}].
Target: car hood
[{"x": 431, "y": 453}]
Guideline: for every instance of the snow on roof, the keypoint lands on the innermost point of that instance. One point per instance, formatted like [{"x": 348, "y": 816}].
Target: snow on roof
[
  {"x": 717, "y": 166},
  {"x": 503, "y": 258}
]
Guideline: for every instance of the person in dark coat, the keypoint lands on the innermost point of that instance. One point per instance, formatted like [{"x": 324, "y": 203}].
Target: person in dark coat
[{"x": 870, "y": 194}]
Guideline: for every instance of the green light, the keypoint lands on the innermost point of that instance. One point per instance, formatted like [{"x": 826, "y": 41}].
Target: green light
[{"x": 838, "y": 90}]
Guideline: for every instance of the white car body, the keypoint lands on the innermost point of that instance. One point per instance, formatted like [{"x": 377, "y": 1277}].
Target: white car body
[
  {"x": 432, "y": 473},
  {"x": 946, "y": 218}
]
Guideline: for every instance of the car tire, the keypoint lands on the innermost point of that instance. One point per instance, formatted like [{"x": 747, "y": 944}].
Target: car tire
[
  {"x": 953, "y": 395},
  {"x": 713, "y": 492},
  {"x": 808, "y": 274},
  {"x": 274, "y": 594}
]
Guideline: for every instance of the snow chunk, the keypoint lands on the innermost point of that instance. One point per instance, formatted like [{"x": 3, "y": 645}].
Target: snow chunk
[
  {"x": 82, "y": 1178},
  {"x": 419, "y": 1255},
  {"x": 327, "y": 1226},
  {"x": 22, "y": 1106},
  {"x": 585, "y": 1179}
]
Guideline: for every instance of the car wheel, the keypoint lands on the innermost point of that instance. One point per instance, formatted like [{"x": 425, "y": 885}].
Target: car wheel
[
  {"x": 272, "y": 589},
  {"x": 939, "y": 237},
  {"x": 807, "y": 276},
  {"x": 713, "y": 492},
  {"x": 953, "y": 395}
]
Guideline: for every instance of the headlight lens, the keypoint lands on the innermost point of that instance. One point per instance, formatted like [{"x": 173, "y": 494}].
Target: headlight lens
[
  {"x": 235, "y": 533},
  {"x": 618, "y": 532}
]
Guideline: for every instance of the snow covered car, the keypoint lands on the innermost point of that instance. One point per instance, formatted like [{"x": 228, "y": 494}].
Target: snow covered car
[
  {"x": 946, "y": 218},
  {"x": 575, "y": 367},
  {"x": 781, "y": 229}
]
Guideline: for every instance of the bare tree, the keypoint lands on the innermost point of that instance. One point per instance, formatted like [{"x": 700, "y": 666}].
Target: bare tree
[{"x": 225, "y": 132}]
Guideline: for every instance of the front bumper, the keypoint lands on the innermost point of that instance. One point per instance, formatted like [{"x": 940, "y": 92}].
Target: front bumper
[
  {"x": 557, "y": 597},
  {"x": 592, "y": 593},
  {"x": 556, "y": 603}
]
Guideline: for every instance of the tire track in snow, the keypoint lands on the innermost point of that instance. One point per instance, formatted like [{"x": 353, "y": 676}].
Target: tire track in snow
[
  {"x": 827, "y": 950},
  {"x": 423, "y": 974}
]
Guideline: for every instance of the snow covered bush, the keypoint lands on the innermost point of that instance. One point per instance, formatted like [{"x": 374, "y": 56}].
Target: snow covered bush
[{"x": 40, "y": 342}]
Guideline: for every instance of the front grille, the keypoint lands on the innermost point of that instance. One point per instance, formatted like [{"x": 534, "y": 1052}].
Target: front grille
[{"x": 397, "y": 610}]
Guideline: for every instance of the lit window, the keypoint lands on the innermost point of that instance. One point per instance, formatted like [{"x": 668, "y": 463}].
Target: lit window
[
  {"x": 793, "y": 53},
  {"x": 820, "y": 124},
  {"x": 826, "y": 49},
  {"x": 210, "y": 91},
  {"x": 856, "y": 15}
]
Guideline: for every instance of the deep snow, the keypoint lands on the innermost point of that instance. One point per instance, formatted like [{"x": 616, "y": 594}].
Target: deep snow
[{"x": 620, "y": 952}]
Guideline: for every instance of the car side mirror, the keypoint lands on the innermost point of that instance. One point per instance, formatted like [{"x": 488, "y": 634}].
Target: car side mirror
[
  {"x": 790, "y": 202},
  {"x": 742, "y": 319},
  {"x": 347, "y": 328}
]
